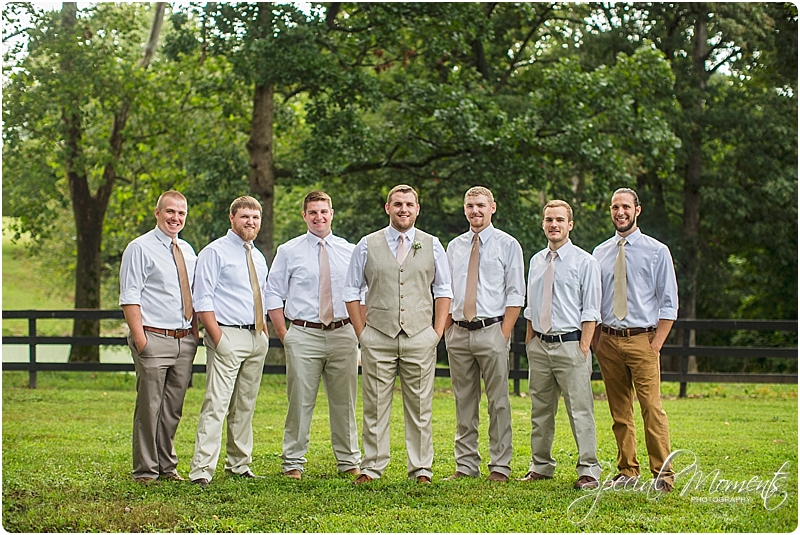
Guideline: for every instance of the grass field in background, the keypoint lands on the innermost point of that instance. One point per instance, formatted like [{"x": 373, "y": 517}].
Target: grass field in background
[{"x": 67, "y": 461}]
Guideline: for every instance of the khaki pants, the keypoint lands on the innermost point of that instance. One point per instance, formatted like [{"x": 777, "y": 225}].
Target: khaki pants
[
  {"x": 163, "y": 371},
  {"x": 312, "y": 354},
  {"x": 382, "y": 360},
  {"x": 233, "y": 377},
  {"x": 472, "y": 355},
  {"x": 555, "y": 368},
  {"x": 628, "y": 363}
]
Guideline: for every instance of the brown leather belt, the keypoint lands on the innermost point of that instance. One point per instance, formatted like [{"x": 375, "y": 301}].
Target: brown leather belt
[
  {"x": 332, "y": 326},
  {"x": 626, "y": 333},
  {"x": 172, "y": 333},
  {"x": 479, "y": 324}
]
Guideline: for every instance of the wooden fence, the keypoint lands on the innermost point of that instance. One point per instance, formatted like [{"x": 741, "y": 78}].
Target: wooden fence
[{"x": 683, "y": 350}]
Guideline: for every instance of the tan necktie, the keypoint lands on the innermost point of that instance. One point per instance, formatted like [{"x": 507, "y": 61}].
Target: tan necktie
[
  {"x": 259, "y": 306},
  {"x": 183, "y": 278},
  {"x": 402, "y": 249},
  {"x": 471, "y": 291},
  {"x": 620, "y": 283},
  {"x": 325, "y": 293},
  {"x": 546, "y": 313}
]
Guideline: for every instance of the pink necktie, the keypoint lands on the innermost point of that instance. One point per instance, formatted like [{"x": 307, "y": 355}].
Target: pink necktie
[
  {"x": 546, "y": 314},
  {"x": 402, "y": 248},
  {"x": 325, "y": 292}
]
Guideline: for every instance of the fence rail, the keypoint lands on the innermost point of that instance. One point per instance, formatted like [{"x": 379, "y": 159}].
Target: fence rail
[{"x": 683, "y": 350}]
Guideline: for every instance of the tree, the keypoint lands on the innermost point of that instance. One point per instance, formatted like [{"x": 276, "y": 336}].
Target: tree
[{"x": 75, "y": 92}]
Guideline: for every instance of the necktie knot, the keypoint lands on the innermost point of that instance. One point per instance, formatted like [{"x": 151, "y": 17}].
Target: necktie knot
[
  {"x": 248, "y": 246},
  {"x": 552, "y": 255},
  {"x": 622, "y": 242}
]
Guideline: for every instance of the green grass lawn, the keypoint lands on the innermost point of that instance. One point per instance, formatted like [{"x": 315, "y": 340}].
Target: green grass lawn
[{"x": 66, "y": 467}]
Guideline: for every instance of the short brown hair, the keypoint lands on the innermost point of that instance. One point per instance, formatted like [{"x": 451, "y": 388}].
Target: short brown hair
[
  {"x": 630, "y": 192},
  {"x": 244, "y": 201},
  {"x": 317, "y": 196},
  {"x": 170, "y": 194},
  {"x": 402, "y": 188},
  {"x": 556, "y": 203},
  {"x": 479, "y": 190}
]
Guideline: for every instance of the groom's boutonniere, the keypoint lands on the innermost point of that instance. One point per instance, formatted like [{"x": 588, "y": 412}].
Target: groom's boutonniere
[{"x": 416, "y": 245}]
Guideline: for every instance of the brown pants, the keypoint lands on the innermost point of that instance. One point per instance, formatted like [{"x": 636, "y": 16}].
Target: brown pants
[{"x": 628, "y": 363}]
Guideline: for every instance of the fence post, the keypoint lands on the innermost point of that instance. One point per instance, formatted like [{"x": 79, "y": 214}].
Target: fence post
[
  {"x": 685, "y": 361},
  {"x": 32, "y": 352}
]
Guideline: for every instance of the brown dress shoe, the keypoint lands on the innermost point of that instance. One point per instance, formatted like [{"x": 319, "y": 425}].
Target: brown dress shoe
[
  {"x": 353, "y": 471},
  {"x": 497, "y": 476},
  {"x": 663, "y": 484},
  {"x": 586, "y": 483},
  {"x": 144, "y": 480},
  {"x": 533, "y": 476},
  {"x": 202, "y": 482},
  {"x": 293, "y": 474},
  {"x": 456, "y": 475},
  {"x": 423, "y": 479},
  {"x": 621, "y": 480},
  {"x": 363, "y": 478},
  {"x": 174, "y": 476}
]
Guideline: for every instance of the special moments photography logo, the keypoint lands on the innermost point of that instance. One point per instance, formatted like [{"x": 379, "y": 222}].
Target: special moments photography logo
[{"x": 713, "y": 486}]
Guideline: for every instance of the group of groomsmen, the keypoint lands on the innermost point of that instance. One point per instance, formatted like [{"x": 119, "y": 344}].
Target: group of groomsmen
[{"x": 396, "y": 293}]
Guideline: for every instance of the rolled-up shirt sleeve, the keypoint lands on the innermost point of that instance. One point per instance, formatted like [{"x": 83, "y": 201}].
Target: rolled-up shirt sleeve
[
  {"x": 355, "y": 283},
  {"x": 666, "y": 286},
  {"x": 131, "y": 275},
  {"x": 277, "y": 282},
  {"x": 206, "y": 276},
  {"x": 515, "y": 276},
  {"x": 442, "y": 280},
  {"x": 592, "y": 291}
]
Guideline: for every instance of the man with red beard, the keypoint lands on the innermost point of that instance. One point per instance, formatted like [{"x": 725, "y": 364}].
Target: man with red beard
[
  {"x": 638, "y": 308},
  {"x": 229, "y": 288}
]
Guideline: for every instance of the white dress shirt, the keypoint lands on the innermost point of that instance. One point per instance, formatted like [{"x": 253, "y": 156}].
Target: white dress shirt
[
  {"x": 356, "y": 282},
  {"x": 222, "y": 280},
  {"x": 501, "y": 273},
  {"x": 294, "y": 277},
  {"x": 148, "y": 277},
  {"x": 652, "y": 286},
  {"x": 576, "y": 289}
]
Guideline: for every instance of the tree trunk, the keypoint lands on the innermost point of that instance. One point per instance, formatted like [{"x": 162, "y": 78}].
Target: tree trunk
[
  {"x": 262, "y": 168},
  {"x": 690, "y": 232},
  {"x": 89, "y": 210}
]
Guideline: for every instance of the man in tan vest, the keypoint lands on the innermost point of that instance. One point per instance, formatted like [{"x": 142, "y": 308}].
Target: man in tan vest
[{"x": 405, "y": 271}]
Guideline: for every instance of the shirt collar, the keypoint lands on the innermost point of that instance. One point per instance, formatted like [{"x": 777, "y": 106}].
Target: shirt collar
[
  {"x": 564, "y": 251},
  {"x": 485, "y": 234},
  {"x": 235, "y": 238},
  {"x": 393, "y": 233},
  {"x": 630, "y": 238},
  {"x": 162, "y": 237},
  {"x": 313, "y": 239}
]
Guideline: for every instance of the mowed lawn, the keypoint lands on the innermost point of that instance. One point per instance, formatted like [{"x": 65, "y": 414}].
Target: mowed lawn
[{"x": 66, "y": 467}]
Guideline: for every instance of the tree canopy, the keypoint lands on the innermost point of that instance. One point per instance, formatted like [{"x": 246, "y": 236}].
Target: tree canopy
[{"x": 695, "y": 105}]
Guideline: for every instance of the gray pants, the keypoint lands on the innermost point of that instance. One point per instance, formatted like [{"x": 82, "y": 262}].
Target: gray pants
[
  {"x": 554, "y": 368},
  {"x": 382, "y": 360},
  {"x": 472, "y": 355},
  {"x": 233, "y": 378},
  {"x": 163, "y": 371},
  {"x": 330, "y": 355}
]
